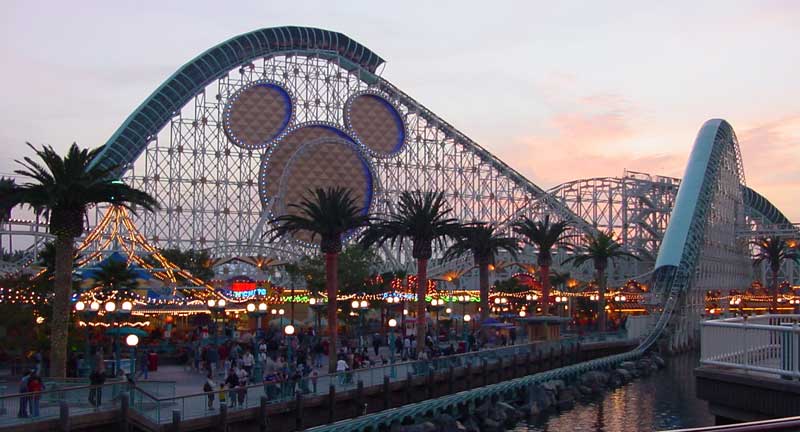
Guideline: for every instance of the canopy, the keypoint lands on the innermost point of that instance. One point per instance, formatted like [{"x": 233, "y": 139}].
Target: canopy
[{"x": 126, "y": 331}]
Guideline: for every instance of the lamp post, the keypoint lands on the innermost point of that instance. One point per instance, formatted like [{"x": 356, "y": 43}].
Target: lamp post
[
  {"x": 216, "y": 307},
  {"x": 317, "y": 303},
  {"x": 466, "y": 318},
  {"x": 258, "y": 312},
  {"x": 114, "y": 315},
  {"x": 437, "y": 304},
  {"x": 88, "y": 312},
  {"x": 392, "y": 325},
  {"x": 289, "y": 331},
  {"x": 361, "y": 308},
  {"x": 530, "y": 300},
  {"x": 133, "y": 341}
]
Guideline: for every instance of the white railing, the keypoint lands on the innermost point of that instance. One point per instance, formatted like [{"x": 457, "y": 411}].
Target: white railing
[{"x": 767, "y": 344}]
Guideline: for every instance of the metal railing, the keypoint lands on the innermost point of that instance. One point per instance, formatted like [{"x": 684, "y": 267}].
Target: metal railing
[{"x": 768, "y": 344}]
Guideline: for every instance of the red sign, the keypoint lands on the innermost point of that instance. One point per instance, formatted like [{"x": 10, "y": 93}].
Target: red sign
[{"x": 243, "y": 286}]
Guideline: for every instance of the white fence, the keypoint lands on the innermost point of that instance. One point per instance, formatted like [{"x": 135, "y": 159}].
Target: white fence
[{"x": 767, "y": 344}]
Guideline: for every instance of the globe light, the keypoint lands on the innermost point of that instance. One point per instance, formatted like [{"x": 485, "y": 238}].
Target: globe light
[
  {"x": 535, "y": 297},
  {"x": 95, "y": 306},
  {"x": 221, "y": 303},
  {"x": 80, "y": 306},
  {"x": 132, "y": 340},
  {"x": 110, "y": 307},
  {"x": 251, "y": 307},
  {"x": 392, "y": 323},
  {"x": 354, "y": 304},
  {"x": 467, "y": 318},
  {"x": 503, "y": 300},
  {"x": 528, "y": 297},
  {"x": 127, "y": 306},
  {"x": 39, "y": 320},
  {"x": 289, "y": 330},
  {"x": 497, "y": 300},
  {"x": 312, "y": 301},
  {"x": 262, "y": 307},
  {"x": 273, "y": 311},
  {"x": 364, "y": 304},
  {"x": 211, "y": 303},
  {"x": 448, "y": 310},
  {"x": 522, "y": 313},
  {"x": 281, "y": 312},
  {"x": 405, "y": 311}
]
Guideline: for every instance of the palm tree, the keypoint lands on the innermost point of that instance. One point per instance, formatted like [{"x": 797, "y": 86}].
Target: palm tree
[
  {"x": 559, "y": 280},
  {"x": 484, "y": 242},
  {"x": 422, "y": 218},
  {"x": 7, "y": 186},
  {"x": 115, "y": 276},
  {"x": 64, "y": 187},
  {"x": 600, "y": 248},
  {"x": 542, "y": 235},
  {"x": 329, "y": 214},
  {"x": 774, "y": 251}
]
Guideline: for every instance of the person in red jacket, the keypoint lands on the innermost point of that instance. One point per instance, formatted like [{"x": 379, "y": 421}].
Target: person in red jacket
[{"x": 35, "y": 386}]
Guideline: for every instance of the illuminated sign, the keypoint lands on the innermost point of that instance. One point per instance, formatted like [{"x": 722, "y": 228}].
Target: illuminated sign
[
  {"x": 243, "y": 286},
  {"x": 246, "y": 289}
]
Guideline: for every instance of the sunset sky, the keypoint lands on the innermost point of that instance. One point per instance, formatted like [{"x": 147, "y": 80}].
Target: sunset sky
[{"x": 558, "y": 90}]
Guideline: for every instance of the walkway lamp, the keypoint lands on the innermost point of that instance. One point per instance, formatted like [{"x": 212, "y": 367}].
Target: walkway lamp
[
  {"x": 114, "y": 315},
  {"x": 88, "y": 313},
  {"x": 466, "y": 319},
  {"x": 317, "y": 303},
  {"x": 257, "y": 311},
  {"x": 392, "y": 325},
  {"x": 133, "y": 341},
  {"x": 217, "y": 307},
  {"x": 361, "y": 307},
  {"x": 289, "y": 331},
  {"x": 437, "y": 305}
]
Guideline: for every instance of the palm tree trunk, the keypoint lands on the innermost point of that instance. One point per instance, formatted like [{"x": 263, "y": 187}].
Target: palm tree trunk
[
  {"x": 62, "y": 290},
  {"x": 332, "y": 285},
  {"x": 422, "y": 289},
  {"x": 601, "y": 300},
  {"x": 483, "y": 272},
  {"x": 774, "y": 302},
  {"x": 544, "y": 277}
]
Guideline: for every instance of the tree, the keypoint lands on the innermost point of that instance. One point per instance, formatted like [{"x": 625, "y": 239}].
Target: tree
[
  {"x": 422, "y": 218},
  {"x": 63, "y": 188},
  {"x": 600, "y": 248},
  {"x": 483, "y": 242},
  {"x": 114, "y": 275},
  {"x": 774, "y": 251},
  {"x": 542, "y": 235},
  {"x": 328, "y": 214},
  {"x": 196, "y": 262}
]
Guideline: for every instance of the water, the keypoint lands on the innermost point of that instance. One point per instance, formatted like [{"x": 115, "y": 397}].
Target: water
[{"x": 665, "y": 400}]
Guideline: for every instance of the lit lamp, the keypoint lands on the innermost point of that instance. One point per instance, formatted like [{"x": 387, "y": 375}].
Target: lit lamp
[
  {"x": 133, "y": 341},
  {"x": 392, "y": 325},
  {"x": 217, "y": 308},
  {"x": 361, "y": 308},
  {"x": 289, "y": 331},
  {"x": 466, "y": 319}
]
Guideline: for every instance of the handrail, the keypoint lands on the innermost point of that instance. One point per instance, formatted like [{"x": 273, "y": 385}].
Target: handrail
[{"x": 761, "y": 425}]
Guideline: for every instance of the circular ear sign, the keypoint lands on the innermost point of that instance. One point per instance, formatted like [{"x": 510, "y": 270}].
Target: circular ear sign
[
  {"x": 376, "y": 124},
  {"x": 324, "y": 163},
  {"x": 256, "y": 115}
]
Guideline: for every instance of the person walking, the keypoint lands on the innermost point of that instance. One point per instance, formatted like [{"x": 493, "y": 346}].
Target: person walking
[
  {"x": 247, "y": 362},
  {"x": 35, "y": 386},
  {"x": 232, "y": 381},
  {"x": 96, "y": 380},
  {"x": 208, "y": 388},
  {"x": 143, "y": 366},
  {"x": 23, "y": 400}
]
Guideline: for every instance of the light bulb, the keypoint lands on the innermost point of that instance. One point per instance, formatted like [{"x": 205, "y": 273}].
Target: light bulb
[
  {"x": 354, "y": 304},
  {"x": 251, "y": 307},
  {"x": 132, "y": 340},
  {"x": 127, "y": 306},
  {"x": 211, "y": 303},
  {"x": 110, "y": 307},
  {"x": 262, "y": 307},
  {"x": 392, "y": 323},
  {"x": 289, "y": 329},
  {"x": 95, "y": 306},
  {"x": 221, "y": 303},
  {"x": 467, "y": 318},
  {"x": 80, "y": 306}
]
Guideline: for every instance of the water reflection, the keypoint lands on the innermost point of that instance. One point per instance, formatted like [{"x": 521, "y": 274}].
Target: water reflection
[{"x": 665, "y": 400}]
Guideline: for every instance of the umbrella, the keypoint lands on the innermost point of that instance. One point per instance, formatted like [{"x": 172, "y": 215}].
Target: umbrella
[{"x": 126, "y": 331}]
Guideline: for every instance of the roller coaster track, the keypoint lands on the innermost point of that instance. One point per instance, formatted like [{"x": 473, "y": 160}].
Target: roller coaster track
[{"x": 677, "y": 260}]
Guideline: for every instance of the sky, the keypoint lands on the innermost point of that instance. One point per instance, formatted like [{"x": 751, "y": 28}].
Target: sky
[{"x": 558, "y": 90}]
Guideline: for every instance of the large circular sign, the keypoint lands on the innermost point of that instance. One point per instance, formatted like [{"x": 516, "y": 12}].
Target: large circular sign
[
  {"x": 257, "y": 114},
  {"x": 375, "y": 123}
]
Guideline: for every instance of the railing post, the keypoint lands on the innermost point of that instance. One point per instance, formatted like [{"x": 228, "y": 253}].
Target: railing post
[
  {"x": 359, "y": 398},
  {"x": 262, "y": 414},
  {"x": 332, "y": 403},
  {"x": 123, "y": 412},
  {"x": 386, "y": 390},
  {"x": 485, "y": 370},
  {"x": 451, "y": 377},
  {"x": 176, "y": 421},
  {"x": 298, "y": 411},
  {"x": 468, "y": 375},
  {"x": 222, "y": 424},
  {"x": 429, "y": 384},
  {"x": 407, "y": 388},
  {"x": 63, "y": 416}
]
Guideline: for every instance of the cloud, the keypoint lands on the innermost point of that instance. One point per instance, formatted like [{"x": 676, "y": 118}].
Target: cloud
[
  {"x": 770, "y": 153},
  {"x": 590, "y": 137}
]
